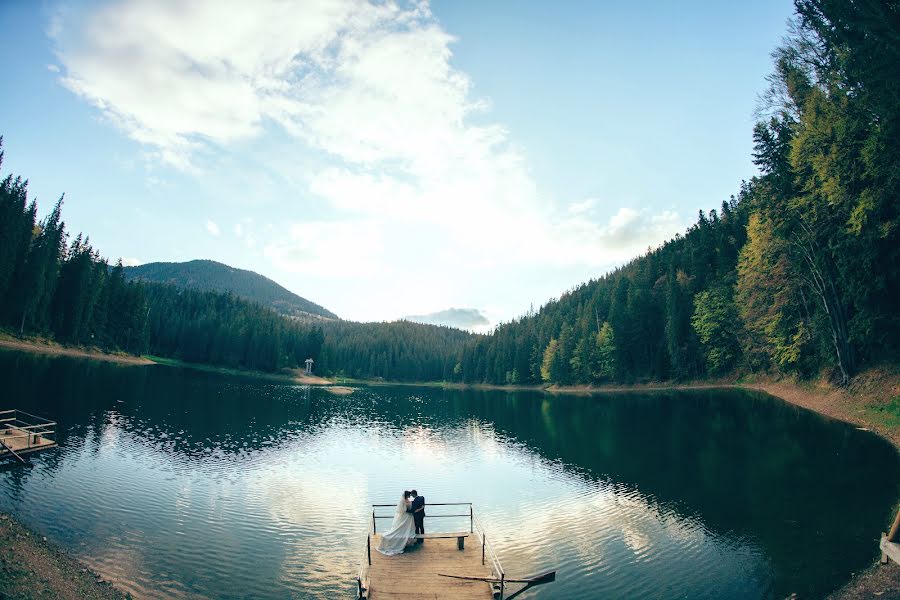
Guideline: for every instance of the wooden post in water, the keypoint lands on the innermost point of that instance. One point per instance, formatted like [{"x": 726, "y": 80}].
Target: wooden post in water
[
  {"x": 895, "y": 528},
  {"x": 890, "y": 537}
]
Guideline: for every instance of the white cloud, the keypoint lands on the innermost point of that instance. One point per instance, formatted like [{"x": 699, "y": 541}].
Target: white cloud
[
  {"x": 131, "y": 261},
  {"x": 53, "y": 68},
  {"x": 370, "y": 90},
  {"x": 336, "y": 249},
  {"x": 625, "y": 235},
  {"x": 179, "y": 76},
  {"x": 212, "y": 228}
]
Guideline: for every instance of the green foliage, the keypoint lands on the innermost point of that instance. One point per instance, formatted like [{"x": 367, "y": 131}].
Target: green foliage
[
  {"x": 606, "y": 354},
  {"x": 221, "y": 329},
  {"x": 396, "y": 351},
  {"x": 798, "y": 273},
  {"x": 211, "y": 276},
  {"x": 632, "y": 324},
  {"x": 548, "y": 367},
  {"x": 716, "y": 322},
  {"x": 816, "y": 285}
]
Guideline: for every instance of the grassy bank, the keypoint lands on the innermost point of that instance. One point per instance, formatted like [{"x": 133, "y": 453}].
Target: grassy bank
[
  {"x": 45, "y": 346},
  {"x": 285, "y": 375}
]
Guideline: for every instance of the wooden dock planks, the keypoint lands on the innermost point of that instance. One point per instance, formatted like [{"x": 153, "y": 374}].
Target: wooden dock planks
[
  {"x": 23, "y": 442},
  {"x": 414, "y": 574}
]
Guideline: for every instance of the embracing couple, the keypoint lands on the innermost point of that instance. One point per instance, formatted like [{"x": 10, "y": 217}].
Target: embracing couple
[{"x": 409, "y": 520}]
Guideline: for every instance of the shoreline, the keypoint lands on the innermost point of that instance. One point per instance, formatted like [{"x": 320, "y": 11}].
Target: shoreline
[
  {"x": 31, "y": 567},
  {"x": 42, "y": 346},
  {"x": 870, "y": 401}
]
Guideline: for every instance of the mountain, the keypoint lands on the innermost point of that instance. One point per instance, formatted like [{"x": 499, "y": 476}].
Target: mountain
[
  {"x": 209, "y": 275},
  {"x": 461, "y": 318}
]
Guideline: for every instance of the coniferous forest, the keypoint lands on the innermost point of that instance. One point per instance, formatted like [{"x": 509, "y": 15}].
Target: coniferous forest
[
  {"x": 51, "y": 286},
  {"x": 797, "y": 273}
]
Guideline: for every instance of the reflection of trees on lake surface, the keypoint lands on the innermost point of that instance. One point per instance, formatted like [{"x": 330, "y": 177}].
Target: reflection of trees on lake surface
[
  {"x": 811, "y": 493},
  {"x": 804, "y": 487}
]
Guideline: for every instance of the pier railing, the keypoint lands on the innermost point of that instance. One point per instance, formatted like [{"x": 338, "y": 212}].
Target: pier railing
[
  {"x": 23, "y": 430},
  {"x": 459, "y": 510}
]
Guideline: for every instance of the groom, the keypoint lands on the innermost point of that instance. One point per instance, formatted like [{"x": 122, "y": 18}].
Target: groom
[{"x": 418, "y": 511}]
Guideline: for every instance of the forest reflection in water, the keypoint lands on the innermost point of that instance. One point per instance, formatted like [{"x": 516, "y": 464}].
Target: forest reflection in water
[{"x": 183, "y": 483}]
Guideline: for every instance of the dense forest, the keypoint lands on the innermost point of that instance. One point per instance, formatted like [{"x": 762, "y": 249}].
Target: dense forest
[
  {"x": 51, "y": 287},
  {"x": 222, "y": 329},
  {"x": 64, "y": 290},
  {"x": 399, "y": 351},
  {"x": 209, "y": 275},
  {"x": 796, "y": 274}
]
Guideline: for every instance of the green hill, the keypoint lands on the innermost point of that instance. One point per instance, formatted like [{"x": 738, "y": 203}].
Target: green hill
[{"x": 209, "y": 275}]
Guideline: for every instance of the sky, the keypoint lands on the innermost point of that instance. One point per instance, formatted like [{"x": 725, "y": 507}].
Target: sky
[{"x": 386, "y": 159}]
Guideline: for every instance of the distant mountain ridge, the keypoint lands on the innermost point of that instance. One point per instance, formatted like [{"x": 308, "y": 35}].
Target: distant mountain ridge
[
  {"x": 461, "y": 318},
  {"x": 209, "y": 275}
]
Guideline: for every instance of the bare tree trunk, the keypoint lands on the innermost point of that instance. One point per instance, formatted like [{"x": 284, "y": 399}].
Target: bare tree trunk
[{"x": 823, "y": 285}]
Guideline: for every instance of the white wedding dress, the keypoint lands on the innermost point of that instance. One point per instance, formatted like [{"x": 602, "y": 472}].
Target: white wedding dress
[{"x": 401, "y": 533}]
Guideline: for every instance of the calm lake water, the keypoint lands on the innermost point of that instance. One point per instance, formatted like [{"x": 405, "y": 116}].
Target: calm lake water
[{"x": 180, "y": 483}]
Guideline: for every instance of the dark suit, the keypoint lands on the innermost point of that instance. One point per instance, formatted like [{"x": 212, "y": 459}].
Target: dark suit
[{"x": 419, "y": 515}]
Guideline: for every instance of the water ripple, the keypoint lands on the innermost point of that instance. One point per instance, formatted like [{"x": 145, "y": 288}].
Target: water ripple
[{"x": 206, "y": 487}]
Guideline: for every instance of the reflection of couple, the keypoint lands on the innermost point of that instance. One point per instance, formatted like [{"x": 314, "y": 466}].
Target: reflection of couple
[{"x": 409, "y": 520}]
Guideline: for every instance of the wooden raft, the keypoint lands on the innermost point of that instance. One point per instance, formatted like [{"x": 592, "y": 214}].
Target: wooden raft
[
  {"x": 22, "y": 432},
  {"x": 415, "y": 573}
]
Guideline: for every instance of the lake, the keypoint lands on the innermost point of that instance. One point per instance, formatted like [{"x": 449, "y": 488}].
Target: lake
[{"x": 180, "y": 483}]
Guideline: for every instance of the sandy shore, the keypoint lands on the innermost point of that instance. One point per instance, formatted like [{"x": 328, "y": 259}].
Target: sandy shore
[{"x": 339, "y": 390}]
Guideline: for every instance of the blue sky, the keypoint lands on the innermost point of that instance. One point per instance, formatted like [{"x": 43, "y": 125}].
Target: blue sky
[{"x": 386, "y": 159}]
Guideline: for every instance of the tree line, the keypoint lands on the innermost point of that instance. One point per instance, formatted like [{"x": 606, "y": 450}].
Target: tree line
[
  {"x": 51, "y": 287},
  {"x": 796, "y": 274},
  {"x": 63, "y": 289},
  {"x": 394, "y": 351}
]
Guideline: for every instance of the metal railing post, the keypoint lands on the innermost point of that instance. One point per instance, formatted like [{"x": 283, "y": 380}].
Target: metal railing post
[
  {"x": 369, "y": 548},
  {"x": 374, "y": 526},
  {"x": 471, "y": 520},
  {"x": 483, "y": 539},
  {"x": 502, "y": 577}
]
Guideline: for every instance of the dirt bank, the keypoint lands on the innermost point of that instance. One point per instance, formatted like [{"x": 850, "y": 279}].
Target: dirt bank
[
  {"x": 52, "y": 348},
  {"x": 30, "y": 567},
  {"x": 872, "y": 400}
]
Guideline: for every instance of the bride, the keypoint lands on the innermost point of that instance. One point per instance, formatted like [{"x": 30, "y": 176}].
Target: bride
[{"x": 402, "y": 531}]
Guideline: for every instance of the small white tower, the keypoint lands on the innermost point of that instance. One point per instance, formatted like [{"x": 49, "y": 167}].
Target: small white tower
[{"x": 309, "y": 363}]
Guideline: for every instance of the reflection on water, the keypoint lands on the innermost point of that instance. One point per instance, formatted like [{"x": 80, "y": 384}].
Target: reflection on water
[{"x": 179, "y": 483}]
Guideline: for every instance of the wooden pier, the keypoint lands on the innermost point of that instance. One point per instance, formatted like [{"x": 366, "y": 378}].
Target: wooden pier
[
  {"x": 456, "y": 563},
  {"x": 22, "y": 433}
]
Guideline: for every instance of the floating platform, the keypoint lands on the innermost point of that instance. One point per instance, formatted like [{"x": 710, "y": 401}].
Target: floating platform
[
  {"x": 455, "y": 563},
  {"x": 22, "y": 433},
  {"x": 417, "y": 573}
]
